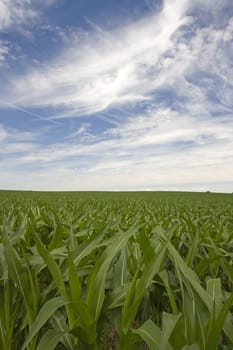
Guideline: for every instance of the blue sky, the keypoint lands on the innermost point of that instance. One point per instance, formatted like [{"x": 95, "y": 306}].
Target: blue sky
[{"x": 116, "y": 95}]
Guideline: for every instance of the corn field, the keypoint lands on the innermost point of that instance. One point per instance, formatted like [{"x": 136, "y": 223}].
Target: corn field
[{"x": 116, "y": 271}]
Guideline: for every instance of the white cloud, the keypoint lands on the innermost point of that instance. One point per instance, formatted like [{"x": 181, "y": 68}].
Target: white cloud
[
  {"x": 152, "y": 175},
  {"x": 150, "y": 151},
  {"x": 17, "y": 147},
  {"x": 152, "y": 136},
  {"x": 18, "y": 15},
  {"x": 15, "y": 12},
  {"x": 13, "y": 141},
  {"x": 120, "y": 68},
  {"x": 188, "y": 140},
  {"x": 3, "y": 133},
  {"x": 103, "y": 69},
  {"x": 4, "y": 50}
]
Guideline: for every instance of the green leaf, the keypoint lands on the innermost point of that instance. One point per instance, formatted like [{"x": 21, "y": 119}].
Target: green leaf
[
  {"x": 97, "y": 279},
  {"x": 164, "y": 276},
  {"x": 52, "y": 266},
  {"x": 188, "y": 276},
  {"x": 151, "y": 334},
  {"x": 120, "y": 270},
  {"x": 87, "y": 247},
  {"x": 169, "y": 322},
  {"x": 191, "y": 347},
  {"x": 193, "y": 249},
  {"x": 145, "y": 244},
  {"x": 85, "y": 326},
  {"x": 58, "y": 321},
  {"x": 50, "y": 340},
  {"x": 214, "y": 289},
  {"x": 74, "y": 282},
  {"x": 20, "y": 274},
  {"x": 138, "y": 287},
  {"x": 214, "y": 336},
  {"x": 43, "y": 316}
]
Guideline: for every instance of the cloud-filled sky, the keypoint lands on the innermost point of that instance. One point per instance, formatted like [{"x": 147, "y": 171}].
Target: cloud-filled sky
[{"x": 116, "y": 95}]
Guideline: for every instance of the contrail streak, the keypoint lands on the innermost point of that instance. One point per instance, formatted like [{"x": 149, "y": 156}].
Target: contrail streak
[{"x": 13, "y": 105}]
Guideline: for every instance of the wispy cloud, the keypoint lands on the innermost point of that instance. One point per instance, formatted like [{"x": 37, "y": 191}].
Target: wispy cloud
[
  {"x": 103, "y": 69},
  {"x": 18, "y": 17},
  {"x": 152, "y": 151},
  {"x": 129, "y": 65},
  {"x": 4, "y": 50},
  {"x": 3, "y": 133},
  {"x": 13, "y": 12},
  {"x": 163, "y": 87},
  {"x": 14, "y": 141}
]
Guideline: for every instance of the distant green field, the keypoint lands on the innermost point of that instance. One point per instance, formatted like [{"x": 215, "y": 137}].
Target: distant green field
[{"x": 116, "y": 270}]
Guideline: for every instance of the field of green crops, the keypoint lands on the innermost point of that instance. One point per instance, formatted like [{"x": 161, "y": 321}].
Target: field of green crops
[{"x": 116, "y": 271}]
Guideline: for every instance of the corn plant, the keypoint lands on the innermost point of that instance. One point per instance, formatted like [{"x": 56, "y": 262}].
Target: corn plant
[{"x": 116, "y": 271}]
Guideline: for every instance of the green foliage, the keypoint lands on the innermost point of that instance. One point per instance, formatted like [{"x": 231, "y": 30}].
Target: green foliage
[{"x": 116, "y": 271}]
